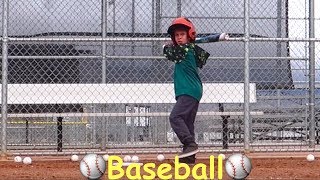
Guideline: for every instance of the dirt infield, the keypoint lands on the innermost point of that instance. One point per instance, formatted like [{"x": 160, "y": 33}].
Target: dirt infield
[{"x": 265, "y": 166}]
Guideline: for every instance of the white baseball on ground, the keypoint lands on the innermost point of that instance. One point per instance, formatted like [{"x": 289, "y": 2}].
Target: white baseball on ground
[
  {"x": 238, "y": 166},
  {"x": 127, "y": 158},
  {"x": 27, "y": 160},
  {"x": 310, "y": 157},
  {"x": 105, "y": 157},
  {"x": 135, "y": 159},
  {"x": 160, "y": 157},
  {"x": 223, "y": 156},
  {"x": 92, "y": 166},
  {"x": 74, "y": 157},
  {"x": 17, "y": 159}
]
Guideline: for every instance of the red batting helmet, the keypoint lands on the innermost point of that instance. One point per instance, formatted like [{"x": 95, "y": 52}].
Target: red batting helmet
[{"x": 182, "y": 22}]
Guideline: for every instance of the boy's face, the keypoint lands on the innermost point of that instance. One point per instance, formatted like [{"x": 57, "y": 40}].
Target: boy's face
[{"x": 181, "y": 36}]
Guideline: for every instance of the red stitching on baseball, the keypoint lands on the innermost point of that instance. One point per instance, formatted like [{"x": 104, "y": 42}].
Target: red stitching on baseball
[
  {"x": 243, "y": 165},
  {"x": 233, "y": 168},
  {"x": 97, "y": 165},
  {"x": 88, "y": 168}
]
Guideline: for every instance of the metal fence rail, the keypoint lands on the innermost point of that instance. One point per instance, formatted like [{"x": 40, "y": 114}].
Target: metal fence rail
[{"x": 273, "y": 45}]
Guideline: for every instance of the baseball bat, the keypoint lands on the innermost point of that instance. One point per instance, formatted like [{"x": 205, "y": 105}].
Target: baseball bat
[{"x": 208, "y": 39}]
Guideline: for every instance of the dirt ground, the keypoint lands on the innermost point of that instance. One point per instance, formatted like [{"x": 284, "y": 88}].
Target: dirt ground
[{"x": 267, "y": 166}]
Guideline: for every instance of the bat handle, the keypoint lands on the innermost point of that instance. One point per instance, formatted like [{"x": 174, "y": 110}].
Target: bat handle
[{"x": 224, "y": 37}]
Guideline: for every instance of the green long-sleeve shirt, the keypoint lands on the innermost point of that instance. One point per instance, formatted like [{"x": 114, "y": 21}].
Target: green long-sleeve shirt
[{"x": 186, "y": 77}]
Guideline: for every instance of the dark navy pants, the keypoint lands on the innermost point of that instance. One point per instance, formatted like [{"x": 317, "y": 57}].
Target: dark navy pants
[{"x": 182, "y": 118}]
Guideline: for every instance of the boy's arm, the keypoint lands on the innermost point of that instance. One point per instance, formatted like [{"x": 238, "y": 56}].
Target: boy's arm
[
  {"x": 174, "y": 53},
  {"x": 213, "y": 38}
]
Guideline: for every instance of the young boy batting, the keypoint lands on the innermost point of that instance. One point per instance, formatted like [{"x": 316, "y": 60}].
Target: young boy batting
[{"x": 188, "y": 58}]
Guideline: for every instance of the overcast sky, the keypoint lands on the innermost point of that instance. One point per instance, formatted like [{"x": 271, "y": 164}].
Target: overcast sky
[{"x": 298, "y": 28}]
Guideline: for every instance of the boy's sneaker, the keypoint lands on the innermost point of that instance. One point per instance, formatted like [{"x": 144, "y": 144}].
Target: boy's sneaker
[
  {"x": 189, "y": 151},
  {"x": 190, "y": 160}
]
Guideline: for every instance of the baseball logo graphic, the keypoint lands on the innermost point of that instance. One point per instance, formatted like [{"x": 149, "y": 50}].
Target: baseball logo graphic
[
  {"x": 92, "y": 166},
  {"x": 238, "y": 166}
]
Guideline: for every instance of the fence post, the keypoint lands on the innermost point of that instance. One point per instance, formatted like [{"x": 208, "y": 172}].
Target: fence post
[
  {"x": 104, "y": 65},
  {"x": 5, "y": 15},
  {"x": 179, "y": 8},
  {"x": 103, "y": 44},
  {"x": 247, "y": 123},
  {"x": 311, "y": 76}
]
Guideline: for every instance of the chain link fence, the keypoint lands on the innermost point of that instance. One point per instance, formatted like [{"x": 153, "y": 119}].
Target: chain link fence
[{"x": 90, "y": 75}]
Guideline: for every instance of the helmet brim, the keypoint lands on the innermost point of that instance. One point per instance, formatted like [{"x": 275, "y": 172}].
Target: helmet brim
[{"x": 173, "y": 27}]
